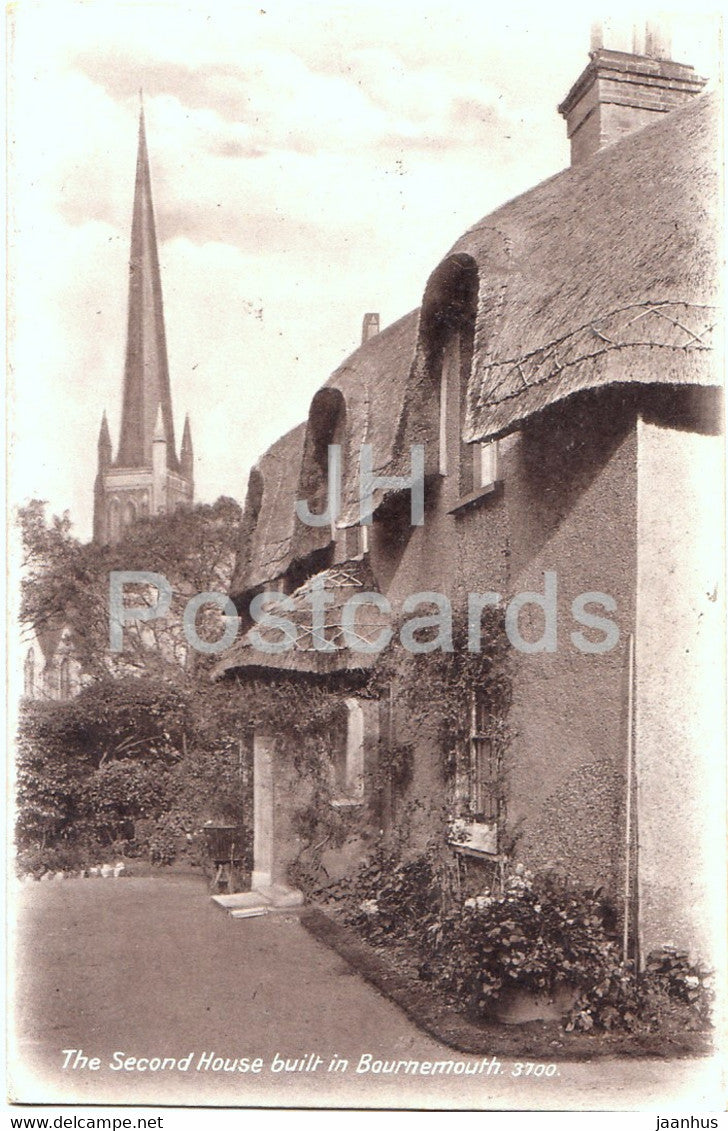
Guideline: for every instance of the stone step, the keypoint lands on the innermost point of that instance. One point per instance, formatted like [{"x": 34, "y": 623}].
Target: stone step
[{"x": 259, "y": 901}]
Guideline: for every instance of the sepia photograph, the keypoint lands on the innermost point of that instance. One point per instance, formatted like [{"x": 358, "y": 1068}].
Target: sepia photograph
[{"x": 366, "y": 525}]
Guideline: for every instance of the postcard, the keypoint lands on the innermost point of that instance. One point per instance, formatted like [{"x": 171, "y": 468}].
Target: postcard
[{"x": 366, "y": 517}]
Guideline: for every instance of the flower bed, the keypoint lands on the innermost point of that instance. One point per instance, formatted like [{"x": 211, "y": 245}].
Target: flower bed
[{"x": 540, "y": 937}]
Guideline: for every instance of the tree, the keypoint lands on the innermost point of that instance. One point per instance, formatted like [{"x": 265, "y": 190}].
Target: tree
[
  {"x": 149, "y": 748},
  {"x": 51, "y": 775},
  {"x": 66, "y": 580}
]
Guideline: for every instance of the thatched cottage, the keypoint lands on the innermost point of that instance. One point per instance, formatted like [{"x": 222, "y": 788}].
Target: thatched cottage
[{"x": 562, "y": 377}]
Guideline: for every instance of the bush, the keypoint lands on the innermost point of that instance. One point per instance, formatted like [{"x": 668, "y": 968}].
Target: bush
[
  {"x": 57, "y": 858},
  {"x": 671, "y": 970},
  {"x": 535, "y": 934},
  {"x": 119, "y": 793},
  {"x": 164, "y": 841}
]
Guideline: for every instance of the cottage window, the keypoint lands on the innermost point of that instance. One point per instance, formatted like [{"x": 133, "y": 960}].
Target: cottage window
[
  {"x": 485, "y": 459},
  {"x": 348, "y": 756},
  {"x": 475, "y": 827},
  {"x": 483, "y": 767},
  {"x": 471, "y": 469}
]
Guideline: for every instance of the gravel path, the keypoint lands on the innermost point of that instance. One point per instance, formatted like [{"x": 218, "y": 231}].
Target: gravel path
[{"x": 152, "y": 968}]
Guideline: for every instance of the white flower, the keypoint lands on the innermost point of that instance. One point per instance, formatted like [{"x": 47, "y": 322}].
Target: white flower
[{"x": 369, "y": 907}]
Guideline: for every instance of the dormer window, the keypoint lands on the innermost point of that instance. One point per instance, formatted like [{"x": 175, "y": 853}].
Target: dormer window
[
  {"x": 323, "y": 454},
  {"x": 469, "y": 470}
]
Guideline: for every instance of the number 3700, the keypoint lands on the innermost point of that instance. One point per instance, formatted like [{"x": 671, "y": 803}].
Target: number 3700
[{"x": 531, "y": 1068}]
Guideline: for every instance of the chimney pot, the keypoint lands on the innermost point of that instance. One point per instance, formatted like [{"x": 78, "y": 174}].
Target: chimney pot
[{"x": 620, "y": 91}]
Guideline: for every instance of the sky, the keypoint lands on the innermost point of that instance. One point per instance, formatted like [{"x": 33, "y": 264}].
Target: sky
[{"x": 310, "y": 161}]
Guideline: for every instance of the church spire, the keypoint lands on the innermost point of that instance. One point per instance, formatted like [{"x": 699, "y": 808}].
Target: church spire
[
  {"x": 146, "y": 372},
  {"x": 186, "y": 455},
  {"x": 104, "y": 446},
  {"x": 146, "y": 478}
]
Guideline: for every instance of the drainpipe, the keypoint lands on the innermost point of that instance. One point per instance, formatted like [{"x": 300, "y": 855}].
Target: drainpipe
[{"x": 628, "y": 821}]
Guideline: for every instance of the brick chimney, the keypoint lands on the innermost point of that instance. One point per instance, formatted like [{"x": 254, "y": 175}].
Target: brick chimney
[
  {"x": 369, "y": 327},
  {"x": 621, "y": 91}
]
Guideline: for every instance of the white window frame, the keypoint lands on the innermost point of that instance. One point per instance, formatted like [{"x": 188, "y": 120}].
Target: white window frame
[
  {"x": 475, "y": 829},
  {"x": 485, "y": 464}
]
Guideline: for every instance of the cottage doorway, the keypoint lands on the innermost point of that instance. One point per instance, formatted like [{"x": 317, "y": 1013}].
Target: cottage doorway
[
  {"x": 262, "y": 812},
  {"x": 271, "y": 831}
]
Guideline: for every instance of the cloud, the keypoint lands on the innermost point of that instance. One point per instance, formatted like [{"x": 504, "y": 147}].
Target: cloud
[
  {"x": 274, "y": 102},
  {"x": 266, "y": 232},
  {"x": 234, "y": 148},
  {"x": 122, "y": 73}
]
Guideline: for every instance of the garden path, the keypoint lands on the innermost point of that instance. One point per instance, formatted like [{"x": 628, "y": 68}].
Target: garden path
[{"x": 151, "y": 967}]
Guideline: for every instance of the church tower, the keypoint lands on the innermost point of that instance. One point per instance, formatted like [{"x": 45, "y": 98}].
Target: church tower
[{"x": 147, "y": 477}]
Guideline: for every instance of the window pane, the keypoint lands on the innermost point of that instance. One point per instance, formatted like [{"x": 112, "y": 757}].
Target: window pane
[
  {"x": 486, "y": 456},
  {"x": 484, "y": 771}
]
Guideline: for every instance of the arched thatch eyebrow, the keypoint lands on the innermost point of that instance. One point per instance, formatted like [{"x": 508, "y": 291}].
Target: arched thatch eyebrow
[
  {"x": 450, "y": 300},
  {"x": 607, "y": 273},
  {"x": 326, "y": 418}
]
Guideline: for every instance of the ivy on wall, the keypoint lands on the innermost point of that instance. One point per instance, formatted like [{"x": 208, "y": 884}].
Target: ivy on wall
[{"x": 428, "y": 696}]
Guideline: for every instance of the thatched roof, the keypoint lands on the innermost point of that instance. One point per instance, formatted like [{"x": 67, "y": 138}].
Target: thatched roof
[
  {"x": 606, "y": 273},
  {"x": 308, "y": 653},
  {"x": 269, "y": 519},
  {"x": 372, "y": 383}
]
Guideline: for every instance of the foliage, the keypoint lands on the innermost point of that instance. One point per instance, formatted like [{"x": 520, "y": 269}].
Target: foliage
[
  {"x": 396, "y": 899},
  {"x": 682, "y": 980},
  {"x": 66, "y": 581},
  {"x": 119, "y": 793},
  {"x": 535, "y": 934},
  {"x": 435, "y": 688},
  {"x": 51, "y": 775},
  {"x": 395, "y": 766},
  {"x": 37, "y": 861},
  {"x": 125, "y": 751},
  {"x": 433, "y": 691},
  {"x": 149, "y": 740},
  {"x": 128, "y": 717},
  {"x": 671, "y": 989}
]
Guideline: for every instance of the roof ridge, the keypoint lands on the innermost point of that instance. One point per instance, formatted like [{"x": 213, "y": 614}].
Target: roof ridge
[{"x": 579, "y": 171}]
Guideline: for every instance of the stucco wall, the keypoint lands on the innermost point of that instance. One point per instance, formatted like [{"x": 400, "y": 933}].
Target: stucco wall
[
  {"x": 679, "y": 736},
  {"x": 573, "y": 511},
  {"x": 567, "y": 503}
]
